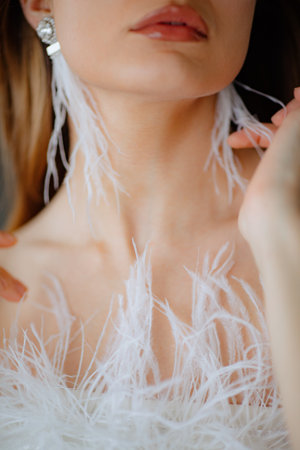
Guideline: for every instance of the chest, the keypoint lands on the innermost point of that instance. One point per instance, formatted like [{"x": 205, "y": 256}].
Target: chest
[
  {"x": 167, "y": 316},
  {"x": 169, "y": 311}
]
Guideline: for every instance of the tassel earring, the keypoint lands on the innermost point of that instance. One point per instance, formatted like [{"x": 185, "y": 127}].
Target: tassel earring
[
  {"x": 72, "y": 99},
  {"x": 230, "y": 108}
]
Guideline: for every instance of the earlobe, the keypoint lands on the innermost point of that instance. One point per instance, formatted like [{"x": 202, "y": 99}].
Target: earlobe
[{"x": 35, "y": 10}]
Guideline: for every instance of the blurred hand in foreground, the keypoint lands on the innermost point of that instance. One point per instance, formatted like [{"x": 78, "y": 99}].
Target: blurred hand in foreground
[{"x": 11, "y": 289}]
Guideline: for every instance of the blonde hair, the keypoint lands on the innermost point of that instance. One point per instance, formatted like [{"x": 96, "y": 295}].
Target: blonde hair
[{"x": 25, "y": 114}]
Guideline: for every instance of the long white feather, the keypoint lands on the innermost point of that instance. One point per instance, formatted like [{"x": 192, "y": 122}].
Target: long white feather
[
  {"x": 115, "y": 407},
  {"x": 231, "y": 109},
  {"x": 71, "y": 97}
]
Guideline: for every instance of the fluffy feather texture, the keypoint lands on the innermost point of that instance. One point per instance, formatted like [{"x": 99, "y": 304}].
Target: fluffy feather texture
[
  {"x": 114, "y": 407},
  {"x": 71, "y": 96},
  {"x": 231, "y": 109}
]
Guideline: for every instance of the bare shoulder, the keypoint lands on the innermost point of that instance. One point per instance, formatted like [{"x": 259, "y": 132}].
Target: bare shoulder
[
  {"x": 24, "y": 261},
  {"x": 10, "y": 258},
  {"x": 17, "y": 259}
]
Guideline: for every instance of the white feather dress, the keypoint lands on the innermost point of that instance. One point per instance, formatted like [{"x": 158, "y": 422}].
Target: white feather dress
[{"x": 114, "y": 407}]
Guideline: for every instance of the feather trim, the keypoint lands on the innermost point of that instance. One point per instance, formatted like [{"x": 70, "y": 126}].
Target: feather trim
[{"x": 115, "y": 407}]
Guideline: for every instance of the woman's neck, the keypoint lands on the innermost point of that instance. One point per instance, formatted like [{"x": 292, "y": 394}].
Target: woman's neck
[{"x": 169, "y": 197}]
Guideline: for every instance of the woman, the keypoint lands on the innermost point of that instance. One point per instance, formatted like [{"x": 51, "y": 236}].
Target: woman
[{"x": 177, "y": 356}]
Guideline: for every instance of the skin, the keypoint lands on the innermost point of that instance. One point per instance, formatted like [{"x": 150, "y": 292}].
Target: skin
[
  {"x": 11, "y": 290},
  {"x": 170, "y": 202},
  {"x": 269, "y": 220},
  {"x": 129, "y": 76}
]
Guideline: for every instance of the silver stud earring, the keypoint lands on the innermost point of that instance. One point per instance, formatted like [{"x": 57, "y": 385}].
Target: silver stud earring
[{"x": 47, "y": 34}]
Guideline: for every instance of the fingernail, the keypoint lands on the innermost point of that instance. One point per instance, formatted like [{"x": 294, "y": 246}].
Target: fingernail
[
  {"x": 278, "y": 116},
  {"x": 233, "y": 135},
  {"x": 7, "y": 238},
  {"x": 11, "y": 239},
  {"x": 20, "y": 289},
  {"x": 297, "y": 91}
]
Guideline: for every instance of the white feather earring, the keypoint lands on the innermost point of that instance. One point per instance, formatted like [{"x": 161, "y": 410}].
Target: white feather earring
[
  {"x": 71, "y": 97},
  {"x": 231, "y": 109}
]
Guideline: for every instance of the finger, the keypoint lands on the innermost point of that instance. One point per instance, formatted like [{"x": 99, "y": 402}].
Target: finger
[
  {"x": 297, "y": 93},
  {"x": 279, "y": 117},
  {"x": 10, "y": 288},
  {"x": 247, "y": 138},
  {"x": 7, "y": 239}
]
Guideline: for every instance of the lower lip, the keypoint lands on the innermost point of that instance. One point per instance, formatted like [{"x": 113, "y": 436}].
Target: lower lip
[{"x": 171, "y": 33}]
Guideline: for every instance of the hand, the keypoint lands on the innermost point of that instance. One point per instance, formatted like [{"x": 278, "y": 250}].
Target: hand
[
  {"x": 273, "y": 193},
  {"x": 269, "y": 220},
  {"x": 10, "y": 288}
]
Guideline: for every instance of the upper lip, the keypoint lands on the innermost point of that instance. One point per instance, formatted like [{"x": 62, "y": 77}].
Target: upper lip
[{"x": 174, "y": 13}]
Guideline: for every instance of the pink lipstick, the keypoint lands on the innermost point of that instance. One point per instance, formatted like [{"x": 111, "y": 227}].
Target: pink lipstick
[{"x": 173, "y": 23}]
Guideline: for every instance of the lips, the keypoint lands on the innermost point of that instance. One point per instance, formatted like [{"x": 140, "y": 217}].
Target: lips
[{"x": 174, "y": 15}]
